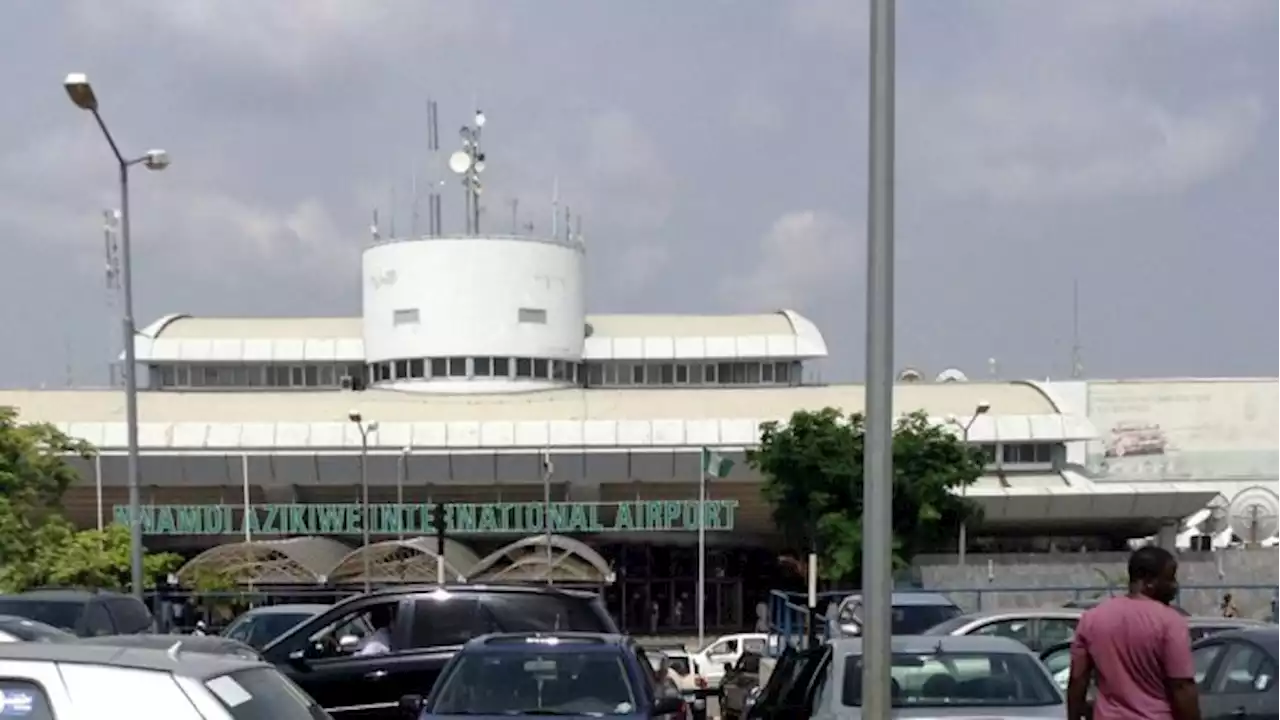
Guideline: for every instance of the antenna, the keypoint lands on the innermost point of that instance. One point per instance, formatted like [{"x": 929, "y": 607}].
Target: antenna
[
  {"x": 469, "y": 163},
  {"x": 413, "y": 201},
  {"x": 392, "y": 222},
  {"x": 374, "y": 234},
  {"x": 568, "y": 227},
  {"x": 577, "y": 232},
  {"x": 71, "y": 373},
  {"x": 433, "y": 147},
  {"x": 515, "y": 216},
  {"x": 555, "y": 205},
  {"x": 1077, "y": 362}
]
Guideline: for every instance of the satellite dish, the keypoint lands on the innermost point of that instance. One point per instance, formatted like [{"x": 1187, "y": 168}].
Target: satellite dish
[
  {"x": 460, "y": 162},
  {"x": 951, "y": 375},
  {"x": 1252, "y": 514},
  {"x": 910, "y": 375}
]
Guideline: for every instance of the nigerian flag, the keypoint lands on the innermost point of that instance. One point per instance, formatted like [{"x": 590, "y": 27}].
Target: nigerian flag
[{"x": 714, "y": 464}]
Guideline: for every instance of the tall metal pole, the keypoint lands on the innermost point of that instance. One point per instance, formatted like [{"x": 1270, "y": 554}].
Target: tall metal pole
[
  {"x": 400, "y": 480},
  {"x": 130, "y": 378},
  {"x": 963, "y": 540},
  {"x": 364, "y": 501},
  {"x": 877, "y": 483},
  {"x": 547, "y": 470},
  {"x": 702, "y": 550}
]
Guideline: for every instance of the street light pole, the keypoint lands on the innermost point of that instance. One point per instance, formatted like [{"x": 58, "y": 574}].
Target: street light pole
[
  {"x": 962, "y": 540},
  {"x": 364, "y": 428},
  {"x": 877, "y": 481},
  {"x": 400, "y": 481},
  {"x": 82, "y": 94}
]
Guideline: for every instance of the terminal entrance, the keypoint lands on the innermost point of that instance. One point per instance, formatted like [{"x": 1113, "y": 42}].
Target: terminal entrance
[{"x": 655, "y": 591}]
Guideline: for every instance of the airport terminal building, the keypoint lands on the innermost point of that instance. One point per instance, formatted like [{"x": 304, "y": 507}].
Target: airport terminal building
[{"x": 482, "y": 384}]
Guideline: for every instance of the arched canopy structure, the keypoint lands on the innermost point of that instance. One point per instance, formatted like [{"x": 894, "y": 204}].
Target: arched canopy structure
[
  {"x": 290, "y": 561},
  {"x": 411, "y": 560},
  {"x": 527, "y": 559}
]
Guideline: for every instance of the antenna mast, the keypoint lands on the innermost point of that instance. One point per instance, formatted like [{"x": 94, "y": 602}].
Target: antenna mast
[
  {"x": 111, "y": 246},
  {"x": 469, "y": 163},
  {"x": 555, "y": 205},
  {"x": 433, "y": 147},
  {"x": 1077, "y": 360}
]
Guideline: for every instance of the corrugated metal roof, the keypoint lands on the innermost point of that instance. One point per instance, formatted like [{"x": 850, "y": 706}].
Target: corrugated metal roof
[
  {"x": 689, "y": 325},
  {"x": 940, "y": 400},
  {"x": 184, "y": 327}
]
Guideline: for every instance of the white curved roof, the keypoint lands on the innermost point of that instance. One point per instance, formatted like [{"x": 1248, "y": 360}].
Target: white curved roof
[
  {"x": 783, "y": 335},
  {"x": 649, "y": 417}
]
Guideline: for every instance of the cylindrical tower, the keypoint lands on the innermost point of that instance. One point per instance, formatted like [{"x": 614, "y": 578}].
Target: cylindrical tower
[{"x": 474, "y": 314}]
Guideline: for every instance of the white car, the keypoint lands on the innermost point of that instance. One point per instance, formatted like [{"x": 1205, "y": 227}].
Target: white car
[
  {"x": 65, "y": 681},
  {"x": 726, "y": 650}
]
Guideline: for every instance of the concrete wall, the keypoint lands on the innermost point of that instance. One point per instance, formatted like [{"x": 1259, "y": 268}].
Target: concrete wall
[{"x": 1010, "y": 580}]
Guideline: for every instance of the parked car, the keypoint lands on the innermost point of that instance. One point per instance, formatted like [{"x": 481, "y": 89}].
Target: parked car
[
  {"x": 426, "y": 626},
  {"x": 725, "y": 651},
  {"x": 950, "y": 676},
  {"x": 208, "y": 644},
  {"x": 740, "y": 683},
  {"x": 1090, "y": 603},
  {"x": 913, "y": 613},
  {"x": 1236, "y": 671},
  {"x": 80, "y": 681},
  {"x": 685, "y": 674},
  {"x": 20, "y": 629},
  {"x": 261, "y": 625},
  {"x": 85, "y": 613},
  {"x": 560, "y": 674},
  {"x": 1037, "y": 629}
]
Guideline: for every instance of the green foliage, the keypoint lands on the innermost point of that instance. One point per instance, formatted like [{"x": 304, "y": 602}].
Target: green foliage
[
  {"x": 38, "y": 546},
  {"x": 812, "y": 468}
]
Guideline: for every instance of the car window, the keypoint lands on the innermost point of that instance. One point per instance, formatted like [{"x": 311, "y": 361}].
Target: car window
[
  {"x": 536, "y": 612},
  {"x": 750, "y": 663},
  {"x": 130, "y": 615},
  {"x": 968, "y": 679},
  {"x": 728, "y": 647},
  {"x": 334, "y": 639},
  {"x": 753, "y": 645},
  {"x": 653, "y": 663},
  {"x": 1246, "y": 669},
  {"x": 915, "y": 619},
  {"x": 62, "y": 614},
  {"x": 1056, "y": 630},
  {"x": 446, "y": 622},
  {"x": 1203, "y": 658},
  {"x": 1019, "y": 629},
  {"x": 258, "y": 629},
  {"x": 263, "y": 694},
  {"x": 97, "y": 621},
  {"x": 537, "y": 679},
  {"x": 24, "y": 699}
]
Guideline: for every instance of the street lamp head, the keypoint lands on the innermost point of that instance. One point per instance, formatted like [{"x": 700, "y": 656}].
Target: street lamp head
[
  {"x": 983, "y": 407},
  {"x": 480, "y": 118},
  {"x": 80, "y": 91},
  {"x": 156, "y": 159},
  {"x": 372, "y": 426},
  {"x": 355, "y": 416}
]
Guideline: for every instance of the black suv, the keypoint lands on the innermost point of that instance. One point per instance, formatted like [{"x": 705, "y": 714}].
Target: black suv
[
  {"x": 86, "y": 613},
  {"x": 427, "y": 626}
]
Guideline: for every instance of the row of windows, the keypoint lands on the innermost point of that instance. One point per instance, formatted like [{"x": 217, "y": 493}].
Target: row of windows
[
  {"x": 601, "y": 374},
  {"x": 1029, "y": 453}
]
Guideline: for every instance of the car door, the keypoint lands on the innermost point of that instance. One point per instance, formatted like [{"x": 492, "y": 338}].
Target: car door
[
  {"x": 795, "y": 697},
  {"x": 436, "y": 627},
  {"x": 1241, "y": 684},
  {"x": 346, "y": 685},
  {"x": 745, "y": 675}
]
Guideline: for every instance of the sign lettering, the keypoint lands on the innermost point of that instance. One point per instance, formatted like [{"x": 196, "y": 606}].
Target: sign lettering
[{"x": 523, "y": 518}]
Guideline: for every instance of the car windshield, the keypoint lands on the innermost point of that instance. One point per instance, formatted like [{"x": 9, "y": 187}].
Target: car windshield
[
  {"x": 64, "y": 614},
  {"x": 536, "y": 680},
  {"x": 258, "y": 629},
  {"x": 959, "y": 680},
  {"x": 915, "y": 619},
  {"x": 263, "y": 694},
  {"x": 33, "y": 631},
  {"x": 679, "y": 663}
]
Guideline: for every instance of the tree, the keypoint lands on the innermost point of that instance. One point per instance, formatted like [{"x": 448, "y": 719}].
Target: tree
[
  {"x": 812, "y": 469},
  {"x": 38, "y": 546}
]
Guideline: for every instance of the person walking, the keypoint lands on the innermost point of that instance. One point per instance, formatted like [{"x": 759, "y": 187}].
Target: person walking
[
  {"x": 1229, "y": 607},
  {"x": 1137, "y": 649}
]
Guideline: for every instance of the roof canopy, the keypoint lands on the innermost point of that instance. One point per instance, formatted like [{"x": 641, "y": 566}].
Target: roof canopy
[
  {"x": 538, "y": 558},
  {"x": 301, "y": 560}
]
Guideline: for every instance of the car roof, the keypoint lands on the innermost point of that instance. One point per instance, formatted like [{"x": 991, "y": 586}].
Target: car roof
[
  {"x": 1264, "y": 635},
  {"x": 597, "y": 639},
  {"x": 1028, "y": 613},
  {"x": 1216, "y": 621},
  {"x": 902, "y": 599},
  {"x": 289, "y": 608},
  {"x": 200, "y": 666},
  {"x": 193, "y": 643},
  {"x": 477, "y": 588},
  {"x": 925, "y": 644}
]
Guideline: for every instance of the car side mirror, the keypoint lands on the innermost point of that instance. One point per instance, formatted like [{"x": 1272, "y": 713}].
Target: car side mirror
[
  {"x": 411, "y": 706},
  {"x": 668, "y": 705},
  {"x": 348, "y": 643}
]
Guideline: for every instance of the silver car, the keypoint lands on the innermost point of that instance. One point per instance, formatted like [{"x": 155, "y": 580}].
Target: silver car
[
  {"x": 1037, "y": 629},
  {"x": 940, "y": 677}
]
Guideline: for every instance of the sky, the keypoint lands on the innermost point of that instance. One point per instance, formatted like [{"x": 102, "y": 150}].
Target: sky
[{"x": 715, "y": 150}]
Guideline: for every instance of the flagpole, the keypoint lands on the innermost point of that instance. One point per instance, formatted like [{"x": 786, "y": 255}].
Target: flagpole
[
  {"x": 546, "y": 509},
  {"x": 702, "y": 548}
]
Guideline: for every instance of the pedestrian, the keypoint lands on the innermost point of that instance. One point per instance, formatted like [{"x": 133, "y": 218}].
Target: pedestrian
[
  {"x": 1228, "y": 608},
  {"x": 1137, "y": 649}
]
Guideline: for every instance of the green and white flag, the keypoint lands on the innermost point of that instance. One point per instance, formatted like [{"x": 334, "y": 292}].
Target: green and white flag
[{"x": 714, "y": 464}]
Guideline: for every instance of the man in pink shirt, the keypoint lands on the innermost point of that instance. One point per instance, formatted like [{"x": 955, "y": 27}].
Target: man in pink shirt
[{"x": 1137, "y": 648}]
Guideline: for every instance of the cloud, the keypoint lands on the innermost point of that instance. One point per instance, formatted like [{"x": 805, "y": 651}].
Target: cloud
[
  {"x": 843, "y": 20},
  {"x": 804, "y": 258}
]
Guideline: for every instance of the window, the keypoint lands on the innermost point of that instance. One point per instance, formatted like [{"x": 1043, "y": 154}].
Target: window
[
  {"x": 653, "y": 374},
  {"x": 720, "y": 649},
  {"x": 1204, "y": 658},
  {"x": 1028, "y": 453},
  {"x": 522, "y": 673},
  {"x": 297, "y": 378},
  {"x": 537, "y": 316},
  {"x": 482, "y": 366},
  {"x": 402, "y": 369},
  {"x": 1056, "y": 630},
  {"x": 168, "y": 377},
  {"x": 130, "y": 615},
  {"x": 1246, "y": 669},
  {"x": 502, "y": 367},
  {"x": 457, "y": 367},
  {"x": 682, "y": 374},
  {"x": 25, "y": 699},
  {"x": 328, "y": 375},
  {"x": 97, "y": 621},
  {"x": 197, "y": 376},
  {"x": 559, "y": 370},
  {"x": 417, "y": 368},
  {"x": 62, "y": 614},
  {"x": 439, "y": 367},
  {"x": 520, "y": 612},
  {"x": 184, "y": 376},
  {"x": 766, "y": 372},
  {"x": 540, "y": 369},
  {"x": 524, "y": 367},
  {"x": 782, "y": 372},
  {"x": 625, "y": 373},
  {"x": 709, "y": 374},
  {"x": 446, "y": 622},
  {"x": 668, "y": 373},
  {"x": 754, "y": 646},
  {"x": 753, "y": 373},
  {"x": 344, "y": 634},
  {"x": 1019, "y": 629},
  {"x": 989, "y": 452},
  {"x": 948, "y": 680},
  {"x": 263, "y": 694},
  {"x": 637, "y": 374},
  {"x": 595, "y": 375},
  {"x": 405, "y": 317}
]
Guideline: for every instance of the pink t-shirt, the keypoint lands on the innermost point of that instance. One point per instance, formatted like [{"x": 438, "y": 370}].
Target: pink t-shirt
[{"x": 1136, "y": 645}]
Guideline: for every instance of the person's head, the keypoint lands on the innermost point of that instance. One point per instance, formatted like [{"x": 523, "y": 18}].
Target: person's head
[
  {"x": 1226, "y": 599},
  {"x": 1153, "y": 572},
  {"x": 380, "y": 616}
]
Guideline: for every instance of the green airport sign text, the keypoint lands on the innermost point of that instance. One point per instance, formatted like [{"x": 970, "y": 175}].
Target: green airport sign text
[{"x": 521, "y": 518}]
